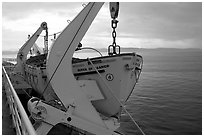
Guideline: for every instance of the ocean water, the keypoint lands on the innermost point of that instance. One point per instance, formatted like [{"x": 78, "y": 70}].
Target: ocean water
[{"x": 168, "y": 98}]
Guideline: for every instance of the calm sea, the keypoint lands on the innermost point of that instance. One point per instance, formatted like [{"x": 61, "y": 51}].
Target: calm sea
[{"x": 168, "y": 98}]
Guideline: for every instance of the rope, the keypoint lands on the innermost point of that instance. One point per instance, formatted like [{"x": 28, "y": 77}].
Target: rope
[
  {"x": 116, "y": 98},
  {"x": 26, "y": 93}
]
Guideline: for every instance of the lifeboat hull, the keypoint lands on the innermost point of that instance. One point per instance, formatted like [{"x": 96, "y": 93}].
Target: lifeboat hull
[{"x": 115, "y": 76}]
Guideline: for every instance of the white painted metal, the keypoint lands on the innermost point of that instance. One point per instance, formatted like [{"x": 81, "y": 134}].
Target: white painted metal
[
  {"x": 20, "y": 118},
  {"x": 23, "y": 51},
  {"x": 59, "y": 66},
  {"x": 55, "y": 116},
  {"x": 90, "y": 88},
  {"x": 44, "y": 128},
  {"x": 89, "y": 103},
  {"x": 118, "y": 99}
]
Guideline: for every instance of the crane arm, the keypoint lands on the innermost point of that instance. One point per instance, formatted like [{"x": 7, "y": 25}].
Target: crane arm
[
  {"x": 59, "y": 64},
  {"x": 23, "y": 51}
]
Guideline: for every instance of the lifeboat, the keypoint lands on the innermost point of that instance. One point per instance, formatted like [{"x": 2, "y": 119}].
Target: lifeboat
[{"x": 83, "y": 93}]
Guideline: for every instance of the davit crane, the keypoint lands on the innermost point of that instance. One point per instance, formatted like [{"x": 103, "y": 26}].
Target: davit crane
[{"x": 91, "y": 91}]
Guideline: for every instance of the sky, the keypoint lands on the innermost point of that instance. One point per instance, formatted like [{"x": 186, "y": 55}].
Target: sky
[{"x": 141, "y": 24}]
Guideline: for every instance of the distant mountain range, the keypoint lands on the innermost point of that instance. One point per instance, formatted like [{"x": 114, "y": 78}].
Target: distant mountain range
[{"x": 7, "y": 52}]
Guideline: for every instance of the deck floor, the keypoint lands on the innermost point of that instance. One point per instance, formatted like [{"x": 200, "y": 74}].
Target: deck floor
[{"x": 7, "y": 125}]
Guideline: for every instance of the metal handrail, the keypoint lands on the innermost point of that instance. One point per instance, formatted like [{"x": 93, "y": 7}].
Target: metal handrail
[
  {"x": 91, "y": 49},
  {"x": 24, "y": 117}
]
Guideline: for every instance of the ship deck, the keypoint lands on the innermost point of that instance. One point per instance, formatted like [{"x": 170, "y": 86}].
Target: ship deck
[{"x": 7, "y": 125}]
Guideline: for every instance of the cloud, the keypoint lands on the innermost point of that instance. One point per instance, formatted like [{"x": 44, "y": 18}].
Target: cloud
[
  {"x": 16, "y": 10},
  {"x": 145, "y": 25},
  {"x": 56, "y": 20},
  {"x": 104, "y": 42},
  {"x": 169, "y": 20}
]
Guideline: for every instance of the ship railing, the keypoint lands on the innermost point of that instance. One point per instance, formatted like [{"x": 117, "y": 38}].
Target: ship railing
[{"x": 20, "y": 118}]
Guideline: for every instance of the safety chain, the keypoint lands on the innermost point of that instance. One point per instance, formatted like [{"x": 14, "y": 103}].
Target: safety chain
[{"x": 114, "y": 46}]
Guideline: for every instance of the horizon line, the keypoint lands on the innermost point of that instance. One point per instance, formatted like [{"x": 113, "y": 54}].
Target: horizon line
[{"x": 14, "y": 50}]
